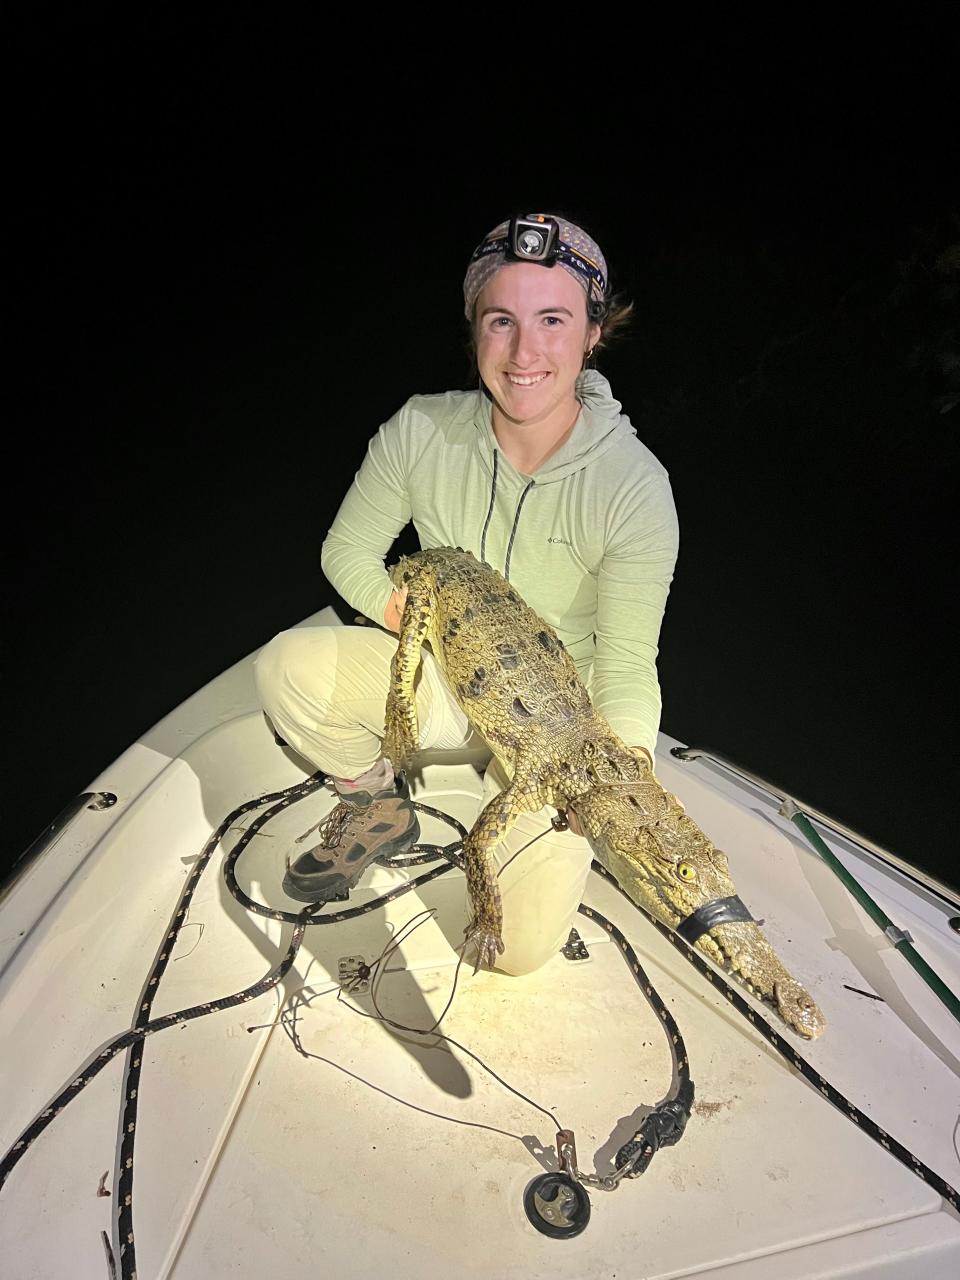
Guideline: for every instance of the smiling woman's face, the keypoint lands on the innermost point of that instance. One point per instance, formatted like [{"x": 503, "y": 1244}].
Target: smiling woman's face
[{"x": 532, "y": 332}]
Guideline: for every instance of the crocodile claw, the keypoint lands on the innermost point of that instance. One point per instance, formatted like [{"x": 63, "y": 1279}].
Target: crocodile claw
[
  {"x": 488, "y": 942},
  {"x": 398, "y": 742}
]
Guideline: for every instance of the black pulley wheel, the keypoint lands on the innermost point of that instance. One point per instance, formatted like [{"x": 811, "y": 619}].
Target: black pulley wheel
[{"x": 557, "y": 1205}]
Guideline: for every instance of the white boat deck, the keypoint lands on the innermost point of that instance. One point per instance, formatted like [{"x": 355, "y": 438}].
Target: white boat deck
[{"x": 370, "y": 1152}]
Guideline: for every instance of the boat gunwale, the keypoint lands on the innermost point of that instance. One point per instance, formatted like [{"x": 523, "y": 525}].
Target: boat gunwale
[{"x": 918, "y": 878}]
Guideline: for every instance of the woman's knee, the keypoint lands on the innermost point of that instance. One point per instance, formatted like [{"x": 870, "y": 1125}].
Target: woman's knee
[
  {"x": 542, "y": 882},
  {"x": 281, "y": 664},
  {"x": 530, "y": 944}
]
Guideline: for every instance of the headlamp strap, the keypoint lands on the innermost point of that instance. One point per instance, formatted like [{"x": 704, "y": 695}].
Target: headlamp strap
[{"x": 561, "y": 253}]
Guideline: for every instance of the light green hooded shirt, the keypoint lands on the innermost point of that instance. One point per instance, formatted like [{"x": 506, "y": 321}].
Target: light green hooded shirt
[{"x": 590, "y": 540}]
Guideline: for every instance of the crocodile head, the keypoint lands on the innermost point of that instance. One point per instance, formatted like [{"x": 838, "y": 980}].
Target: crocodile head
[{"x": 666, "y": 864}]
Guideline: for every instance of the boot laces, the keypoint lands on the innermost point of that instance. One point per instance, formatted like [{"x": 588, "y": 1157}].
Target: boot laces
[{"x": 332, "y": 826}]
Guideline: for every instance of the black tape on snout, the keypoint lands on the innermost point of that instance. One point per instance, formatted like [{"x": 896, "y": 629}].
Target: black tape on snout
[{"x": 720, "y": 911}]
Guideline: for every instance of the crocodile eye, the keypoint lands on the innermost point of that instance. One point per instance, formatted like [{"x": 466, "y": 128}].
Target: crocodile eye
[{"x": 686, "y": 872}]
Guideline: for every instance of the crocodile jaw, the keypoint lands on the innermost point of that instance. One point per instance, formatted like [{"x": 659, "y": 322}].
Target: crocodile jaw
[{"x": 742, "y": 949}]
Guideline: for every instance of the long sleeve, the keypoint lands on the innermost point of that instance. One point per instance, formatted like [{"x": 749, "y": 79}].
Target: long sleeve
[
  {"x": 633, "y": 584},
  {"x": 375, "y": 509}
]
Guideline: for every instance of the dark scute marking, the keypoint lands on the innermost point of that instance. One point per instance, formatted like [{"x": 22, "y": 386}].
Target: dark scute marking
[
  {"x": 453, "y": 626},
  {"x": 459, "y": 548},
  {"x": 407, "y": 575},
  {"x": 513, "y": 597},
  {"x": 509, "y": 659},
  {"x": 480, "y": 673},
  {"x": 468, "y": 614},
  {"x": 522, "y": 712},
  {"x": 573, "y": 684},
  {"x": 489, "y": 597},
  {"x": 546, "y": 641}
]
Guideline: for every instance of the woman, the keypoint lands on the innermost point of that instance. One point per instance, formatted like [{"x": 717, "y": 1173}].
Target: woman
[{"x": 540, "y": 475}]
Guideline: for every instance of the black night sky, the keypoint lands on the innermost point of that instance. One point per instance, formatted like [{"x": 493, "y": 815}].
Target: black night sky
[{"x": 238, "y": 246}]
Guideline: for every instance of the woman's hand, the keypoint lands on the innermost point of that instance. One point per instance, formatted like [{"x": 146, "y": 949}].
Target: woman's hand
[{"x": 394, "y": 610}]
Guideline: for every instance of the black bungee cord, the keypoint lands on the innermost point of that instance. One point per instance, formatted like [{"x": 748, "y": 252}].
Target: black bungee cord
[{"x": 556, "y": 1202}]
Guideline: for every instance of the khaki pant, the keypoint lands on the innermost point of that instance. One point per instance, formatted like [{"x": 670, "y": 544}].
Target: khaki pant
[{"x": 325, "y": 691}]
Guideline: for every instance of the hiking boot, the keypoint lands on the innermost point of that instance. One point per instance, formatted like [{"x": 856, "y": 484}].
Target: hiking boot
[{"x": 363, "y": 828}]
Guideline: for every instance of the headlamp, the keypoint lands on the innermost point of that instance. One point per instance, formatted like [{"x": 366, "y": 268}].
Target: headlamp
[
  {"x": 536, "y": 238},
  {"x": 533, "y": 240}
]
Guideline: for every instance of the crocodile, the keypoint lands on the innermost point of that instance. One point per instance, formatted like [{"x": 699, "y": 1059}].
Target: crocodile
[{"x": 519, "y": 687}]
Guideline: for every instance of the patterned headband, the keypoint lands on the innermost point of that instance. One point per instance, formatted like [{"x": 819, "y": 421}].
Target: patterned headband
[{"x": 576, "y": 252}]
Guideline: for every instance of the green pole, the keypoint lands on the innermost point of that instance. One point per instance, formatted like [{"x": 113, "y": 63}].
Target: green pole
[{"x": 898, "y": 937}]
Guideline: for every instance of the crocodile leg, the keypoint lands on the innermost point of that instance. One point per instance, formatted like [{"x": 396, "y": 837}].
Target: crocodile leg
[
  {"x": 402, "y": 730},
  {"x": 495, "y": 820}
]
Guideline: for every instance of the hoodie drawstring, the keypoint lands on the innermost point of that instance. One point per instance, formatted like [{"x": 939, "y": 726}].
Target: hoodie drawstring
[
  {"x": 486, "y": 523},
  {"x": 516, "y": 518},
  {"x": 513, "y": 531}
]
